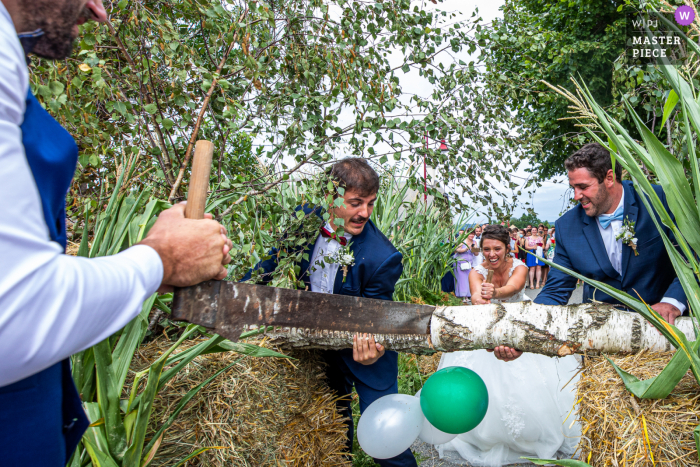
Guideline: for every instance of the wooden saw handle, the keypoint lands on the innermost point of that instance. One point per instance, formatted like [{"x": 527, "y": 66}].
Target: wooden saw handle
[
  {"x": 489, "y": 276},
  {"x": 199, "y": 181}
]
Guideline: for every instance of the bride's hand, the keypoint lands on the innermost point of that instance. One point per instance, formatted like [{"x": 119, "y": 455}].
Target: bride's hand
[
  {"x": 488, "y": 290},
  {"x": 507, "y": 354},
  {"x": 479, "y": 301}
]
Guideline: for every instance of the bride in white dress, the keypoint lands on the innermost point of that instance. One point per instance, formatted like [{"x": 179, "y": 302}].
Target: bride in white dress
[{"x": 530, "y": 411}]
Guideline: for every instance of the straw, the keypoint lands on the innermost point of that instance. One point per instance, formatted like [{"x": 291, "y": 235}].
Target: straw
[
  {"x": 622, "y": 430},
  {"x": 263, "y": 411}
]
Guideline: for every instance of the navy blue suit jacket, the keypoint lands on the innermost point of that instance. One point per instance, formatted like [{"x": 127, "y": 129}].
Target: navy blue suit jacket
[
  {"x": 580, "y": 247},
  {"x": 375, "y": 273}
]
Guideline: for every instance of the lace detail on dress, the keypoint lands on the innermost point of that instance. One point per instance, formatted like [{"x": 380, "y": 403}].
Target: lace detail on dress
[
  {"x": 513, "y": 418},
  {"x": 518, "y": 297}
]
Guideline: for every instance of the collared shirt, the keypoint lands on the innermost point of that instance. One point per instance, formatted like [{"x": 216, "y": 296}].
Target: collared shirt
[
  {"x": 323, "y": 273},
  {"x": 613, "y": 247},
  {"x": 51, "y": 305}
]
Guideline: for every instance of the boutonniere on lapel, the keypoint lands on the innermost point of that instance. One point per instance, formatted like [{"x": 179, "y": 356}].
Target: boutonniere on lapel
[
  {"x": 345, "y": 258},
  {"x": 627, "y": 235}
]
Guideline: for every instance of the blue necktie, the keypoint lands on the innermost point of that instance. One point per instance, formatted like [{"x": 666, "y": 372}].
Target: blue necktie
[{"x": 606, "y": 219}]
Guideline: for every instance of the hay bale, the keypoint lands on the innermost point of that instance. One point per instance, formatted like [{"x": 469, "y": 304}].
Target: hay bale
[
  {"x": 613, "y": 420},
  {"x": 262, "y": 412}
]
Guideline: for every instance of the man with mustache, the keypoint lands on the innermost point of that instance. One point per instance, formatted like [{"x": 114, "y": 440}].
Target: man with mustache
[
  {"x": 586, "y": 242},
  {"x": 371, "y": 369},
  {"x": 53, "y": 305}
]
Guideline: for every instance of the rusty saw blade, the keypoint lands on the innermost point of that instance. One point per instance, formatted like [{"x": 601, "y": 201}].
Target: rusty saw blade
[{"x": 228, "y": 308}]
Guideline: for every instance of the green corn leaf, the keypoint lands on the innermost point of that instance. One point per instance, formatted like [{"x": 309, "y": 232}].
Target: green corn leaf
[
  {"x": 563, "y": 462},
  {"x": 132, "y": 458},
  {"x": 153, "y": 208},
  {"x": 94, "y": 439},
  {"x": 99, "y": 458},
  {"x": 196, "y": 453},
  {"x": 183, "y": 402},
  {"x": 689, "y": 138},
  {"x": 83, "y": 372},
  {"x": 75, "y": 458},
  {"x": 84, "y": 249},
  {"x": 126, "y": 215},
  {"x": 130, "y": 339},
  {"x": 671, "y": 102},
  {"x": 660, "y": 386},
  {"x": 189, "y": 355},
  {"x": 129, "y": 421},
  {"x": 696, "y": 435},
  {"x": 108, "y": 399},
  {"x": 671, "y": 174},
  {"x": 245, "y": 349}
]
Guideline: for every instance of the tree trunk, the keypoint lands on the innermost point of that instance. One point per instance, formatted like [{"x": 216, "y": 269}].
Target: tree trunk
[{"x": 544, "y": 329}]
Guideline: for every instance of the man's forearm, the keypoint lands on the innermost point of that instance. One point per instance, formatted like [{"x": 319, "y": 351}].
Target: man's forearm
[{"x": 52, "y": 306}]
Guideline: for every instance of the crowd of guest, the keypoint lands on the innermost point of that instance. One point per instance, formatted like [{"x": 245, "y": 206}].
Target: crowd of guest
[{"x": 526, "y": 244}]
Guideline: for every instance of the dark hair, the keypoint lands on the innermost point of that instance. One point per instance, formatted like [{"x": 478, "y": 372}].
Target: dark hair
[
  {"x": 596, "y": 159},
  {"x": 496, "y": 232},
  {"x": 354, "y": 173}
]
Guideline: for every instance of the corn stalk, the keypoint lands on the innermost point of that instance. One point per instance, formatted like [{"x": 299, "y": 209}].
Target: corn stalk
[{"x": 425, "y": 235}]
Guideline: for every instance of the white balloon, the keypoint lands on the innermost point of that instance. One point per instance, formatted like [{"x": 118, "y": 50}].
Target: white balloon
[
  {"x": 431, "y": 435},
  {"x": 390, "y": 425}
]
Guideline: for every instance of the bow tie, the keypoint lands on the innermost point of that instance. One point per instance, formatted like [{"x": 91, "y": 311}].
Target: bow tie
[
  {"x": 328, "y": 234},
  {"x": 606, "y": 219}
]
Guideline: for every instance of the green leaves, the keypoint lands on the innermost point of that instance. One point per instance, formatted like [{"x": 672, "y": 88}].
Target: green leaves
[
  {"x": 562, "y": 462},
  {"x": 670, "y": 104}
]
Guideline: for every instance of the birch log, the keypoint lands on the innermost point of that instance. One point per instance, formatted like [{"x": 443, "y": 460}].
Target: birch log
[{"x": 544, "y": 329}]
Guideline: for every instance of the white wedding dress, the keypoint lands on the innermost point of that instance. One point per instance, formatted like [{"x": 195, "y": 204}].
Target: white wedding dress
[{"x": 529, "y": 413}]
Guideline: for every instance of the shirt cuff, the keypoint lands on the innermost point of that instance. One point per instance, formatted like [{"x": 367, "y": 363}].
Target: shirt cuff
[
  {"x": 674, "y": 302},
  {"x": 149, "y": 263}
]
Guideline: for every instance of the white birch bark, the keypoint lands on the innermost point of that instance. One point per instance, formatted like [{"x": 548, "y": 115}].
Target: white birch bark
[{"x": 545, "y": 329}]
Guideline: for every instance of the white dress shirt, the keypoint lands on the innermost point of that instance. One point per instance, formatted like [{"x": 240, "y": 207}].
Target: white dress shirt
[
  {"x": 323, "y": 273},
  {"x": 51, "y": 305},
  {"x": 613, "y": 247}
]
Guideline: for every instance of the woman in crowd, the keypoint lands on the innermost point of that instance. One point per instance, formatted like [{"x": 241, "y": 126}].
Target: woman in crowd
[
  {"x": 543, "y": 233},
  {"x": 549, "y": 246},
  {"x": 534, "y": 244},
  {"x": 527, "y": 406},
  {"x": 465, "y": 256},
  {"x": 514, "y": 241}
]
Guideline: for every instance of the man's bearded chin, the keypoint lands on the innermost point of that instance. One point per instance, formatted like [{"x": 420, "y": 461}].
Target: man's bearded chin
[
  {"x": 54, "y": 45},
  {"x": 58, "y": 25}
]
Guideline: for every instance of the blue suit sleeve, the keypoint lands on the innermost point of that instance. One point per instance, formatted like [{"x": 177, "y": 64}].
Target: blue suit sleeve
[
  {"x": 382, "y": 283},
  {"x": 559, "y": 286}
]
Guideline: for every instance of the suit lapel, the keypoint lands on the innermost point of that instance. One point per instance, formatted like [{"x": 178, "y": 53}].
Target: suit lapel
[
  {"x": 592, "y": 234},
  {"x": 630, "y": 212}
]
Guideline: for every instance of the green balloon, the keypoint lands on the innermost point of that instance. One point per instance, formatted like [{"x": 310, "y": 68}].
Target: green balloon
[{"x": 454, "y": 400}]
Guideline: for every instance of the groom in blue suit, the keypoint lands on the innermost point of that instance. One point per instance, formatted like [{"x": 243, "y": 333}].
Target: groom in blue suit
[
  {"x": 371, "y": 369},
  {"x": 587, "y": 243}
]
